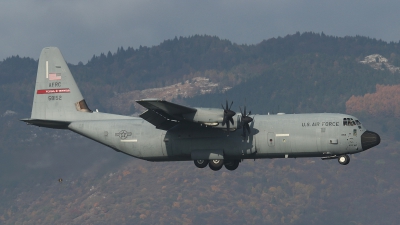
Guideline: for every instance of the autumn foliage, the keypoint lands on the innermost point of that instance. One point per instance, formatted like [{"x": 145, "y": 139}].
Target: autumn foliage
[{"x": 384, "y": 102}]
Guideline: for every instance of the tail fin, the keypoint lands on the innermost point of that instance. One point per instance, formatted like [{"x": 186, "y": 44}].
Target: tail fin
[{"x": 57, "y": 99}]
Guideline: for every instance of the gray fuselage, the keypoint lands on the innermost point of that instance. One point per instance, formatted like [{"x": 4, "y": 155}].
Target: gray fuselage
[{"x": 272, "y": 136}]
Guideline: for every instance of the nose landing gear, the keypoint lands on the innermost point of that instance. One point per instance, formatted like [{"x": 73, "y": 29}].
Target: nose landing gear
[{"x": 344, "y": 159}]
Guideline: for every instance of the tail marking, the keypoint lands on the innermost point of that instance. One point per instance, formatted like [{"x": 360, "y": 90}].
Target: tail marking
[{"x": 53, "y": 91}]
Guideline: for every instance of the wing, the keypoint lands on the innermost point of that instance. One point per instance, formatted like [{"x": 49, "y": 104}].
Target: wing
[{"x": 163, "y": 114}]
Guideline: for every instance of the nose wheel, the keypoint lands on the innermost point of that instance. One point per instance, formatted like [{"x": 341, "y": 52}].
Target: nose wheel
[{"x": 344, "y": 159}]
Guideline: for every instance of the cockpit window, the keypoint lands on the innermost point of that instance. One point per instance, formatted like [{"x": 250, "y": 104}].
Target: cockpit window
[{"x": 350, "y": 122}]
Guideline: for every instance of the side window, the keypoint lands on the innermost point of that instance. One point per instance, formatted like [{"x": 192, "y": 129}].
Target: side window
[{"x": 345, "y": 122}]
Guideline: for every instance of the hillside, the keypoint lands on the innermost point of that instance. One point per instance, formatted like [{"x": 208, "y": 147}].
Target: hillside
[
  {"x": 384, "y": 102},
  {"x": 298, "y": 73}
]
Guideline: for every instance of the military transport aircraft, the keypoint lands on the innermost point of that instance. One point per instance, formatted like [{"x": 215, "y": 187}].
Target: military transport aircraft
[{"x": 208, "y": 136}]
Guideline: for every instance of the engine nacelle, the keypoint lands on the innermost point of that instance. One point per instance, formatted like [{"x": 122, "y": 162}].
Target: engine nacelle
[
  {"x": 211, "y": 117},
  {"x": 205, "y": 115}
]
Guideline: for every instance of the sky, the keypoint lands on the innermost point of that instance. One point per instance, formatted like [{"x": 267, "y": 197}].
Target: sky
[{"x": 83, "y": 28}]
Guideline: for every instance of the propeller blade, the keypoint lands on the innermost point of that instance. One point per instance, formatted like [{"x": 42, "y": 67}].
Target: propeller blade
[
  {"x": 245, "y": 120},
  {"x": 248, "y": 128},
  {"x": 227, "y": 126},
  {"x": 228, "y": 115}
]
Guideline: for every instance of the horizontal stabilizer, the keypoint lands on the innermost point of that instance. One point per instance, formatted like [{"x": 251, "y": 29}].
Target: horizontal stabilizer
[{"x": 47, "y": 123}]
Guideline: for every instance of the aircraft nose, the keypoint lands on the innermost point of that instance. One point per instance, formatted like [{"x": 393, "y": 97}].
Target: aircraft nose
[{"x": 369, "y": 139}]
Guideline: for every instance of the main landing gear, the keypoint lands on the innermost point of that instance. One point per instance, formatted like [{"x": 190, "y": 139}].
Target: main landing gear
[
  {"x": 217, "y": 164},
  {"x": 201, "y": 163}
]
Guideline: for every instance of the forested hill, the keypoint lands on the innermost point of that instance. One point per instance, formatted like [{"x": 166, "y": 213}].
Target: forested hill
[
  {"x": 300, "y": 72},
  {"x": 304, "y": 83},
  {"x": 309, "y": 73}
]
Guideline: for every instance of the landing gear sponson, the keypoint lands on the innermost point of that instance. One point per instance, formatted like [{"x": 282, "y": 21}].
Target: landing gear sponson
[{"x": 217, "y": 164}]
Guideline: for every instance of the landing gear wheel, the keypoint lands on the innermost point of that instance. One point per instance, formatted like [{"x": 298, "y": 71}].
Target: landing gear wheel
[
  {"x": 201, "y": 163},
  {"x": 231, "y": 165},
  {"x": 216, "y": 164},
  {"x": 344, "y": 159}
]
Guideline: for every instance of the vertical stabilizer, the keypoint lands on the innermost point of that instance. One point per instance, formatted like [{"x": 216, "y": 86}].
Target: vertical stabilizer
[{"x": 56, "y": 97}]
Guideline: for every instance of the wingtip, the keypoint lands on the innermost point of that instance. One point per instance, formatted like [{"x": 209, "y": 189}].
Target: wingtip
[{"x": 149, "y": 100}]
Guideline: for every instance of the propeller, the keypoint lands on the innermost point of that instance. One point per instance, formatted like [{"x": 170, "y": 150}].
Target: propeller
[
  {"x": 245, "y": 120},
  {"x": 228, "y": 115}
]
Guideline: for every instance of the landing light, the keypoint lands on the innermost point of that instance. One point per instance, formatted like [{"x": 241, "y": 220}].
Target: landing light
[{"x": 211, "y": 124}]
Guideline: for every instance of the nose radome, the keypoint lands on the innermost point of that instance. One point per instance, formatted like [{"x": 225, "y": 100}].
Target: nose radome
[{"x": 369, "y": 139}]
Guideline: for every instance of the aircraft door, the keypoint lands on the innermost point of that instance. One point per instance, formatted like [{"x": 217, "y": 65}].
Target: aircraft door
[
  {"x": 351, "y": 139},
  {"x": 283, "y": 144},
  {"x": 333, "y": 139},
  {"x": 271, "y": 139},
  {"x": 264, "y": 140},
  {"x": 328, "y": 139}
]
